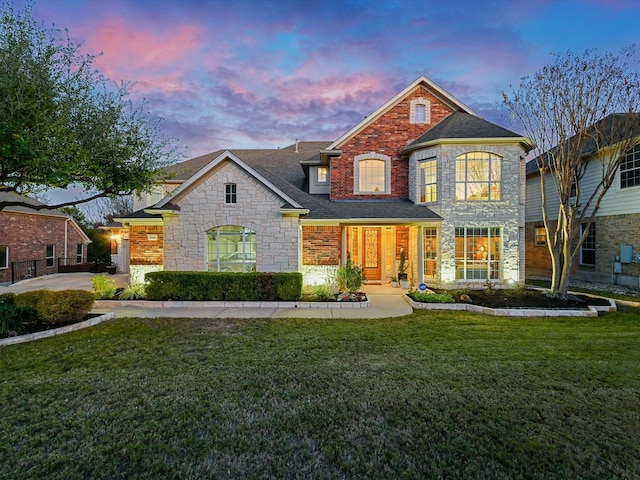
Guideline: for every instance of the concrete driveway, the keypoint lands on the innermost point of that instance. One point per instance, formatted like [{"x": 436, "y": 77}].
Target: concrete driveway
[{"x": 62, "y": 281}]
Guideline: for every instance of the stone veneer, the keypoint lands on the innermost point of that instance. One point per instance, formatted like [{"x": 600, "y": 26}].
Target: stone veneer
[
  {"x": 202, "y": 208},
  {"x": 508, "y": 213}
]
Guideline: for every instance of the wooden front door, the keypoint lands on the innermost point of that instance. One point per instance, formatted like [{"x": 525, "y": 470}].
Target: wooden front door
[{"x": 371, "y": 253}]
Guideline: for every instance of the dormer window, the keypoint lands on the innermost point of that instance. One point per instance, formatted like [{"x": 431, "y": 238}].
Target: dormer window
[
  {"x": 420, "y": 111},
  {"x": 323, "y": 175},
  {"x": 372, "y": 174}
]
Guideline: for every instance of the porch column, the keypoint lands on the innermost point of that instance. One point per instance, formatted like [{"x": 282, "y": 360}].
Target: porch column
[
  {"x": 420, "y": 254},
  {"x": 343, "y": 245}
]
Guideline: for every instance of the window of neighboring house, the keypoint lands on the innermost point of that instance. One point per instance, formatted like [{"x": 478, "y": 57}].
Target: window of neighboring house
[
  {"x": 588, "y": 249},
  {"x": 230, "y": 195},
  {"x": 323, "y": 175},
  {"x": 79, "y": 253},
  {"x": 51, "y": 255},
  {"x": 372, "y": 174},
  {"x": 630, "y": 168},
  {"x": 478, "y": 253},
  {"x": 231, "y": 248},
  {"x": 429, "y": 177},
  {"x": 420, "y": 111},
  {"x": 478, "y": 176},
  {"x": 540, "y": 236},
  {"x": 4, "y": 257}
]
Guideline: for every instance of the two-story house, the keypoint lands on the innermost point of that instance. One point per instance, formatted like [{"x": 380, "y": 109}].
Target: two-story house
[
  {"x": 423, "y": 174},
  {"x": 611, "y": 250}
]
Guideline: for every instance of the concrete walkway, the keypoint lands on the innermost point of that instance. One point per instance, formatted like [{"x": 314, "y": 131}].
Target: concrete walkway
[{"x": 384, "y": 302}]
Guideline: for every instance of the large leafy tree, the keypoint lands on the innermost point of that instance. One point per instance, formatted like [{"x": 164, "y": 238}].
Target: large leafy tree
[
  {"x": 581, "y": 112},
  {"x": 63, "y": 123}
]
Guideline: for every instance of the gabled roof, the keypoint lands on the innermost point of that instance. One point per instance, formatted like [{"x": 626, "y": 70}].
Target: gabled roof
[
  {"x": 612, "y": 129},
  {"x": 461, "y": 126},
  {"x": 436, "y": 90}
]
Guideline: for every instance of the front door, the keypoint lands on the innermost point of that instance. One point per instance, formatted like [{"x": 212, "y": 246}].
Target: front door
[{"x": 371, "y": 253}]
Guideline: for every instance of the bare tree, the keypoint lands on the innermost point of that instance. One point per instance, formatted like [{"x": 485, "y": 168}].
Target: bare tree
[
  {"x": 580, "y": 110},
  {"x": 103, "y": 210}
]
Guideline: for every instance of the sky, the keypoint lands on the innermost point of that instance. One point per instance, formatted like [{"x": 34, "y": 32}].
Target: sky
[{"x": 261, "y": 74}]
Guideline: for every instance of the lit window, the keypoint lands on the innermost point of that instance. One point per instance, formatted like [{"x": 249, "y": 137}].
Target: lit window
[
  {"x": 372, "y": 174},
  {"x": 430, "y": 252},
  {"x": 630, "y": 168},
  {"x": 429, "y": 187},
  {"x": 51, "y": 255},
  {"x": 588, "y": 249},
  {"x": 478, "y": 176},
  {"x": 4, "y": 257},
  {"x": 230, "y": 193},
  {"x": 231, "y": 248},
  {"x": 478, "y": 252},
  {"x": 541, "y": 236},
  {"x": 323, "y": 174}
]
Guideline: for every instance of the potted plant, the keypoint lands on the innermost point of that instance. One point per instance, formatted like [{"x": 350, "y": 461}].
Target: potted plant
[
  {"x": 402, "y": 270},
  {"x": 394, "y": 282}
]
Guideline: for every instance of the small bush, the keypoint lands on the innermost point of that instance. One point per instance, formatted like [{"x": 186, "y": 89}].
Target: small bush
[
  {"x": 322, "y": 293},
  {"x": 65, "y": 305},
  {"x": 104, "y": 287},
  {"x": 351, "y": 276},
  {"x": 426, "y": 297},
  {"x": 29, "y": 299},
  {"x": 134, "y": 291},
  {"x": 8, "y": 298},
  {"x": 11, "y": 317}
]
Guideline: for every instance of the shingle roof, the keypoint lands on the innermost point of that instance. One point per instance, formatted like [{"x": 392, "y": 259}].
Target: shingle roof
[
  {"x": 13, "y": 197},
  {"x": 460, "y": 125}
]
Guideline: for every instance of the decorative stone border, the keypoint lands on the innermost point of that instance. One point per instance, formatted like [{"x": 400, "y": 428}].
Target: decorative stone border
[
  {"x": 225, "y": 304},
  {"x": 56, "y": 331},
  {"x": 592, "y": 310}
]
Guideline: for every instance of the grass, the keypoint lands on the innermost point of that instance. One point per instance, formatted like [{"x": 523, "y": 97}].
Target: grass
[{"x": 430, "y": 395}]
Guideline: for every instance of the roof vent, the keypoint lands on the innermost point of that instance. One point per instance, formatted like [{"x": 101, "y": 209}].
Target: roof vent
[{"x": 297, "y": 151}]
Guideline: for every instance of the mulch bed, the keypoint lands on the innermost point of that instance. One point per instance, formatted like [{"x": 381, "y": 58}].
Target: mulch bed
[
  {"x": 36, "y": 326},
  {"x": 526, "y": 299}
]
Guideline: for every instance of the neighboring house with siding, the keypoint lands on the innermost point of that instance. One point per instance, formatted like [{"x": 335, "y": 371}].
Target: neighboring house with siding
[
  {"x": 423, "y": 174},
  {"x": 611, "y": 251},
  {"x": 40, "y": 237}
]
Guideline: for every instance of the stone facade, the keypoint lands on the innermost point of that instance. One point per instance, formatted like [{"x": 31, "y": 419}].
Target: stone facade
[
  {"x": 507, "y": 213},
  {"x": 27, "y": 236},
  {"x": 203, "y": 207}
]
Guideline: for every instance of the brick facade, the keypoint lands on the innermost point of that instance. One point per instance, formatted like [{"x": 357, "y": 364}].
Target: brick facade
[
  {"x": 27, "y": 236},
  {"x": 388, "y": 135},
  {"x": 147, "y": 245},
  {"x": 321, "y": 245}
]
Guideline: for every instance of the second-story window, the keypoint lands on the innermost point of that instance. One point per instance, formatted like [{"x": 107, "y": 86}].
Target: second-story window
[
  {"x": 429, "y": 179},
  {"x": 372, "y": 172},
  {"x": 478, "y": 176},
  {"x": 230, "y": 196},
  {"x": 420, "y": 111},
  {"x": 323, "y": 175},
  {"x": 630, "y": 168}
]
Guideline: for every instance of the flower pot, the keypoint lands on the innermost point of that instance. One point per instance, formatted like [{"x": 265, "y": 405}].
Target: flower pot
[
  {"x": 405, "y": 283},
  {"x": 111, "y": 269},
  {"x": 394, "y": 284}
]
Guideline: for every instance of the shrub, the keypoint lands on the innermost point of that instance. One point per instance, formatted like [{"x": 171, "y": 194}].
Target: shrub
[
  {"x": 11, "y": 317},
  {"x": 65, "y": 305},
  {"x": 134, "y": 291},
  {"x": 8, "y": 298},
  {"x": 104, "y": 287},
  {"x": 426, "y": 297},
  {"x": 322, "y": 293},
  {"x": 167, "y": 285},
  {"x": 350, "y": 276},
  {"x": 29, "y": 299}
]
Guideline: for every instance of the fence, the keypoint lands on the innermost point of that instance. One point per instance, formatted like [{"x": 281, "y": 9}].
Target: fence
[{"x": 39, "y": 268}]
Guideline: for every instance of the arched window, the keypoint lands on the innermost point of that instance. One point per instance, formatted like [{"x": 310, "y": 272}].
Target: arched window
[
  {"x": 478, "y": 176},
  {"x": 372, "y": 174},
  {"x": 231, "y": 248}
]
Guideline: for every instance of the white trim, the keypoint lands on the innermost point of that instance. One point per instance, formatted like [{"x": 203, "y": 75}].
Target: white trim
[
  {"x": 436, "y": 90},
  {"x": 226, "y": 155}
]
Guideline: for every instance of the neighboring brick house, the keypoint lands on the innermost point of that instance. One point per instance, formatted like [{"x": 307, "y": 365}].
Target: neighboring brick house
[
  {"x": 39, "y": 237},
  {"x": 611, "y": 251},
  {"x": 423, "y": 174}
]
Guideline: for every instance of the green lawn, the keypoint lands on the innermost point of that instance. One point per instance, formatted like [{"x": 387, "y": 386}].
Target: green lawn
[{"x": 431, "y": 395}]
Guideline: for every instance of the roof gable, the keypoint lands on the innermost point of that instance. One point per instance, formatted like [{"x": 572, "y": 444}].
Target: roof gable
[{"x": 437, "y": 91}]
